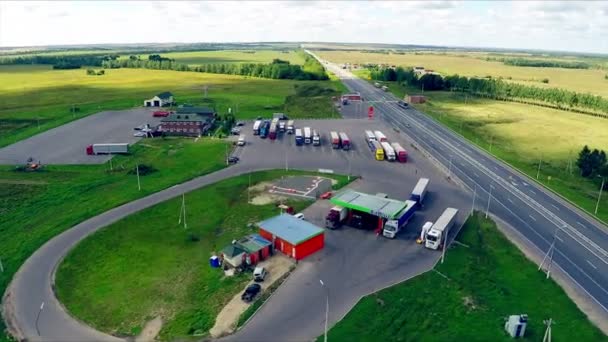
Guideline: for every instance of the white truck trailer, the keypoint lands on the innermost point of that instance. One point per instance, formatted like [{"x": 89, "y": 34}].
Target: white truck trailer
[
  {"x": 307, "y": 135},
  {"x": 256, "y": 127},
  {"x": 436, "y": 235},
  {"x": 107, "y": 149},
  {"x": 290, "y": 127},
  {"x": 389, "y": 152}
]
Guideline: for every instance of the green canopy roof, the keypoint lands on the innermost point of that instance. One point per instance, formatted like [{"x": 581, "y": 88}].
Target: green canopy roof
[{"x": 371, "y": 204}]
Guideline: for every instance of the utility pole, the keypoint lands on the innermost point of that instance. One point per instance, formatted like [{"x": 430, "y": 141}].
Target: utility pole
[
  {"x": 286, "y": 161},
  {"x": 326, "y": 308},
  {"x": 111, "y": 167},
  {"x": 182, "y": 212},
  {"x": 138, "y": 182},
  {"x": 549, "y": 255},
  {"x": 38, "y": 318},
  {"x": 450, "y": 168},
  {"x": 445, "y": 245},
  {"x": 599, "y": 197},
  {"x": 474, "y": 196},
  {"x": 548, "y": 323},
  {"x": 491, "y": 141},
  {"x": 540, "y": 162},
  {"x": 489, "y": 198},
  {"x": 249, "y": 189}
]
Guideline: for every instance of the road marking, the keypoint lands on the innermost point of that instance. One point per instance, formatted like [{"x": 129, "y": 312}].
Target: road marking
[
  {"x": 462, "y": 164},
  {"x": 510, "y": 200},
  {"x": 492, "y": 186},
  {"x": 532, "y": 217},
  {"x": 476, "y": 175},
  {"x": 592, "y": 265},
  {"x": 532, "y": 191},
  {"x": 554, "y": 206},
  {"x": 558, "y": 238},
  {"x": 580, "y": 224}
]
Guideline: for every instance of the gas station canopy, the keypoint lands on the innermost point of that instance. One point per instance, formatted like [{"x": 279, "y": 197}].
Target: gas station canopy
[{"x": 371, "y": 204}]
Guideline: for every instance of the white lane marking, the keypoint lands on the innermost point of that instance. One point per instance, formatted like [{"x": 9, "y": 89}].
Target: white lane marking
[
  {"x": 462, "y": 164},
  {"x": 492, "y": 186},
  {"x": 510, "y": 200},
  {"x": 532, "y": 191},
  {"x": 532, "y": 217},
  {"x": 592, "y": 265},
  {"x": 558, "y": 238},
  {"x": 580, "y": 224},
  {"x": 476, "y": 175},
  {"x": 554, "y": 206}
]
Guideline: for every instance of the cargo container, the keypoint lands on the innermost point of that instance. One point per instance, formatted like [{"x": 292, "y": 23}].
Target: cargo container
[
  {"x": 344, "y": 141},
  {"x": 369, "y": 136},
  {"x": 436, "y": 235},
  {"x": 290, "y": 127},
  {"x": 160, "y": 113},
  {"x": 400, "y": 152},
  {"x": 307, "y": 135},
  {"x": 299, "y": 138},
  {"x": 316, "y": 139},
  {"x": 256, "y": 127},
  {"x": 107, "y": 148},
  {"x": 335, "y": 139},
  {"x": 272, "y": 131},
  {"x": 388, "y": 151},
  {"x": 380, "y": 136},
  {"x": 377, "y": 150},
  {"x": 335, "y": 217},
  {"x": 392, "y": 227},
  {"x": 419, "y": 190}
]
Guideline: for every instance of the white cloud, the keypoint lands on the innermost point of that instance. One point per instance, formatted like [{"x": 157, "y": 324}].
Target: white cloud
[{"x": 519, "y": 24}]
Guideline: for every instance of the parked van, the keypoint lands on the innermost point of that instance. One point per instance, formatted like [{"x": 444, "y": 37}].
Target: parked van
[{"x": 241, "y": 141}]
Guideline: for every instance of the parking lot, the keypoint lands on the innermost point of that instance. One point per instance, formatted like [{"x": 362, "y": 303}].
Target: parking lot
[
  {"x": 354, "y": 262},
  {"x": 66, "y": 144}
]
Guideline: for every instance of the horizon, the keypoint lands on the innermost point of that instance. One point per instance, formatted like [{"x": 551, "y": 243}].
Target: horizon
[{"x": 529, "y": 26}]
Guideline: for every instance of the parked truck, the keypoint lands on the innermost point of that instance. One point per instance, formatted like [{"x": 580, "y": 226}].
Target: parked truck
[
  {"x": 436, "y": 235},
  {"x": 419, "y": 190},
  {"x": 256, "y": 127},
  {"x": 400, "y": 152},
  {"x": 299, "y": 138},
  {"x": 376, "y": 149},
  {"x": 393, "y": 227},
  {"x": 282, "y": 126},
  {"x": 264, "y": 128},
  {"x": 380, "y": 136},
  {"x": 272, "y": 131},
  {"x": 336, "y": 217},
  {"x": 307, "y": 135},
  {"x": 290, "y": 127},
  {"x": 385, "y": 88},
  {"x": 344, "y": 141},
  {"x": 107, "y": 149},
  {"x": 388, "y": 151},
  {"x": 335, "y": 139},
  {"x": 316, "y": 139},
  {"x": 369, "y": 136}
]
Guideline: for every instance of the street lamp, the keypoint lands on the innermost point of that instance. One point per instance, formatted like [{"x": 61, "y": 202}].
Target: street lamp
[
  {"x": 38, "y": 318},
  {"x": 597, "y": 205},
  {"x": 326, "y": 308}
]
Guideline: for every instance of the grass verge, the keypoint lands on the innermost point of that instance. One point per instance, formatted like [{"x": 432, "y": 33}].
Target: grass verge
[
  {"x": 148, "y": 265},
  {"x": 487, "y": 280}
]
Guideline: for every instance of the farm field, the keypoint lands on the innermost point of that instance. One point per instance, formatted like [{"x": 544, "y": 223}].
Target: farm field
[
  {"x": 35, "y": 98},
  {"x": 232, "y": 56},
  {"x": 591, "y": 81},
  {"x": 36, "y": 206},
  {"x": 489, "y": 279},
  {"x": 521, "y": 135},
  {"x": 167, "y": 271}
]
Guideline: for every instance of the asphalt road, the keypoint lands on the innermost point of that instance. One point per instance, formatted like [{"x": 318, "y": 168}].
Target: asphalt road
[
  {"x": 66, "y": 144},
  {"x": 375, "y": 263},
  {"x": 581, "y": 242}
]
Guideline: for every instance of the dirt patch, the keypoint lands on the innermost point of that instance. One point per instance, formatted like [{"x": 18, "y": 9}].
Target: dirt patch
[
  {"x": 469, "y": 302},
  {"x": 266, "y": 198},
  {"x": 150, "y": 330},
  {"x": 226, "y": 321}
]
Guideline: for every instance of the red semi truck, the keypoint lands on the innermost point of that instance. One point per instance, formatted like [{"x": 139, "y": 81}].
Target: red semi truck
[
  {"x": 400, "y": 152},
  {"x": 345, "y": 141},
  {"x": 335, "y": 139},
  {"x": 160, "y": 113}
]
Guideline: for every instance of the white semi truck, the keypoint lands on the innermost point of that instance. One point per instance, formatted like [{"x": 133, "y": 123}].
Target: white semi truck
[
  {"x": 389, "y": 152},
  {"x": 433, "y": 235}
]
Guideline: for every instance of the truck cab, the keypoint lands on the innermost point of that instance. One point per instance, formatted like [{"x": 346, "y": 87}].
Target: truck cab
[
  {"x": 335, "y": 217},
  {"x": 316, "y": 139},
  {"x": 433, "y": 239}
]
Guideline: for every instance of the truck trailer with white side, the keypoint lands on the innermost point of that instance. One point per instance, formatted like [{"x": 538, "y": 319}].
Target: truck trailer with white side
[
  {"x": 393, "y": 227},
  {"x": 419, "y": 190},
  {"x": 119, "y": 148},
  {"x": 256, "y": 127},
  {"x": 307, "y": 135},
  {"x": 290, "y": 127},
  {"x": 389, "y": 152},
  {"x": 380, "y": 137},
  {"x": 435, "y": 237}
]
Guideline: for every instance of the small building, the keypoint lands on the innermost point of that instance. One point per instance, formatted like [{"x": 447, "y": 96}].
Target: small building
[
  {"x": 416, "y": 99},
  {"x": 160, "y": 100},
  {"x": 294, "y": 237},
  {"x": 351, "y": 97},
  {"x": 188, "y": 121},
  {"x": 249, "y": 250}
]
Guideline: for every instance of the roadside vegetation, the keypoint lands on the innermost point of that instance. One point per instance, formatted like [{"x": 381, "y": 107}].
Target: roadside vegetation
[
  {"x": 467, "y": 298},
  {"x": 36, "y": 206},
  {"x": 524, "y": 136},
  {"x": 36, "y": 98},
  {"x": 158, "y": 267}
]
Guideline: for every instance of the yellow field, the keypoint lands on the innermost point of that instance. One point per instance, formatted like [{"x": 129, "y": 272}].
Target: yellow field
[
  {"x": 580, "y": 80},
  {"x": 232, "y": 56}
]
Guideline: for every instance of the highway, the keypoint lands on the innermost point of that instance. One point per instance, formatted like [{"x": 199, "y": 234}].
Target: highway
[{"x": 580, "y": 242}]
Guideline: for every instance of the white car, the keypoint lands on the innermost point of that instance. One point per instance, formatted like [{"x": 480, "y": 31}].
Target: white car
[
  {"x": 299, "y": 216},
  {"x": 139, "y": 134},
  {"x": 259, "y": 273}
]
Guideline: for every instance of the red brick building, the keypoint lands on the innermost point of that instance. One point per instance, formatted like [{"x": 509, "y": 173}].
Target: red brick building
[
  {"x": 188, "y": 121},
  {"x": 294, "y": 237}
]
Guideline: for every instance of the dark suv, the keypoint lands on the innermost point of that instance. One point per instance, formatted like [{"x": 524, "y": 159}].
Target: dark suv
[{"x": 250, "y": 292}]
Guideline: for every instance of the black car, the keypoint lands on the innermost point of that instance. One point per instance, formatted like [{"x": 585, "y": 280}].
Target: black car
[
  {"x": 402, "y": 104},
  {"x": 250, "y": 292},
  {"x": 233, "y": 160},
  {"x": 240, "y": 123}
]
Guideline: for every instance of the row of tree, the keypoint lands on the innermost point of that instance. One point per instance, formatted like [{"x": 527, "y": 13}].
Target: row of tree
[
  {"x": 61, "y": 62},
  {"x": 278, "y": 69},
  {"x": 592, "y": 163},
  {"x": 539, "y": 63},
  {"x": 492, "y": 88}
]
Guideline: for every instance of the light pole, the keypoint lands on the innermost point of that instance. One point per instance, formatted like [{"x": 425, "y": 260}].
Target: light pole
[
  {"x": 599, "y": 197},
  {"x": 450, "y": 168},
  {"x": 38, "y": 318},
  {"x": 474, "y": 196},
  {"x": 549, "y": 255},
  {"x": 540, "y": 162},
  {"x": 138, "y": 182},
  {"x": 326, "y": 308},
  {"x": 489, "y": 198}
]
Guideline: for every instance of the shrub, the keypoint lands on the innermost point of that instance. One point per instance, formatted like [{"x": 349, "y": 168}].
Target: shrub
[{"x": 545, "y": 80}]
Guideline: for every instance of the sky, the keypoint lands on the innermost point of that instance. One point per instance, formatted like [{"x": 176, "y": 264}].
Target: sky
[{"x": 547, "y": 25}]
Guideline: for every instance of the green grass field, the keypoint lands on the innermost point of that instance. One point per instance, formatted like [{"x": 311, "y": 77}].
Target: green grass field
[
  {"x": 232, "y": 56},
  {"x": 521, "y": 135},
  {"x": 155, "y": 269},
  {"x": 36, "y": 206},
  {"x": 37, "y": 95},
  {"x": 488, "y": 281},
  {"x": 579, "y": 80}
]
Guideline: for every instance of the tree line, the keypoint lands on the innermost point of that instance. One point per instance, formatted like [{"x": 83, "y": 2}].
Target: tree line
[
  {"x": 492, "y": 88},
  {"x": 539, "y": 63},
  {"x": 592, "y": 163},
  {"x": 60, "y": 62},
  {"x": 278, "y": 69}
]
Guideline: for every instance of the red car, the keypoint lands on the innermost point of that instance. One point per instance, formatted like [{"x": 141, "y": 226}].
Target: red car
[
  {"x": 160, "y": 114},
  {"x": 326, "y": 195}
]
